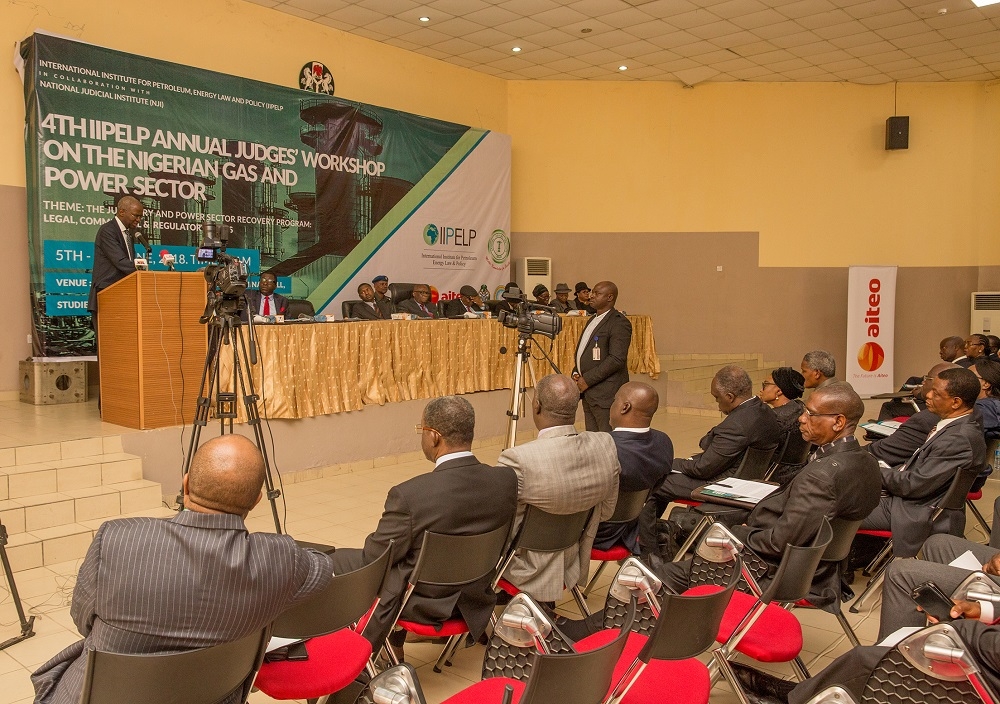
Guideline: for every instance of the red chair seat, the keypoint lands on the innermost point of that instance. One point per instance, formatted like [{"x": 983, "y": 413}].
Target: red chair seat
[
  {"x": 974, "y": 496},
  {"x": 876, "y": 533},
  {"x": 662, "y": 682},
  {"x": 451, "y": 627},
  {"x": 508, "y": 587},
  {"x": 334, "y": 661},
  {"x": 775, "y": 637},
  {"x": 618, "y": 552},
  {"x": 487, "y": 692},
  {"x": 688, "y": 502}
]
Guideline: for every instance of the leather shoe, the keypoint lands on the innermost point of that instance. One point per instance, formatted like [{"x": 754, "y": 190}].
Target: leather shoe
[{"x": 760, "y": 687}]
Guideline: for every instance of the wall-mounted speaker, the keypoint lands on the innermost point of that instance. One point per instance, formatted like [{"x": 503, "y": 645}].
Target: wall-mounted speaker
[{"x": 897, "y": 132}]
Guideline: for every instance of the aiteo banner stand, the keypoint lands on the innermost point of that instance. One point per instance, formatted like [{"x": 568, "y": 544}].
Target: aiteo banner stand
[{"x": 871, "y": 328}]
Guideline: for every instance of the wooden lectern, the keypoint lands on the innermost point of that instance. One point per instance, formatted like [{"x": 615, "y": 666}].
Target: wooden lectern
[{"x": 152, "y": 348}]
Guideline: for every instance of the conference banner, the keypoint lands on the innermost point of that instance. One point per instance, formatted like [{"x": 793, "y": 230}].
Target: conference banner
[
  {"x": 323, "y": 192},
  {"x": 871, "y": 327}
]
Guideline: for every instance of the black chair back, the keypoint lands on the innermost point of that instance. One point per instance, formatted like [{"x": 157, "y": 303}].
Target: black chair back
[
  {"x": 688, "y": 625},
  {"x": 400, "y": 292},
  {"x": 843, "y": 535},
  {"x": 346, "y": 306},
  {"x": 298, "y": 306},
  {"x": 344, "y": 602},
  {"x": 550, "y": 532},
  {"x": 795, "y": 449},
  {"x": 203, "y": 676},
  {"x": 580, "y": 678},
  {"x": 798, "y": 567},
  {"x": 954, "y": 498},
  {"x": 456, "y": 560},
  {"x": 629, "y": 506},
  {"x": 755, "y": 463}
]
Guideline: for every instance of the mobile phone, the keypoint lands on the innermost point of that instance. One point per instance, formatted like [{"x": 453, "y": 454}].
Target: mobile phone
[
  {"x": 297, "y": 651},
  {"x": 933, "y": 601}
]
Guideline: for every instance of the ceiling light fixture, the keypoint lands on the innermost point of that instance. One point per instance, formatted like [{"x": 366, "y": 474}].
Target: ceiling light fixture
[
  {"x": 984, "y": 3},
  {"x": 425, "y": 19},
  {"x": 588, "y": 30},
  {"x": 516, "y": 49},
  {"x": 623, "y": 67}
]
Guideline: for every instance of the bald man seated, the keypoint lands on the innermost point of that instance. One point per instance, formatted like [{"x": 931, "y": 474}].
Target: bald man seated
[
  {"x": 645, "y": 455},
  {"x": 152, "y": 585}
]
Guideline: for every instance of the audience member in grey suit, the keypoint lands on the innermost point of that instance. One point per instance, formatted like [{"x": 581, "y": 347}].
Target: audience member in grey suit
[
  {"x": 150, "y": 585},
  {"x": 461, "y": 496}
]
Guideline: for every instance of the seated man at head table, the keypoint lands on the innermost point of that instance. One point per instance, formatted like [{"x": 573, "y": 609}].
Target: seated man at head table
[
  {"x": 840, "y": 481},
  {"x": 381, "y": 285},
  {"x": 581, "y": 298},
  {"x": 561, "y": 472},
  {"x": 913, "y": 489},
  {"x": 561, "y": 304},
  {"x": 142, "y": 587},
  {"x": 468, "y": 301},
  {"x": 460, "y": 496},
  {"x": 367, "y": 308},
  {"x": 541, "y": 295},
  {"x": 265, "y": 301},
  {"x": 749, "y": 422},
  {"x": 819, "y": 368},
  {"x": 420, "y": 305}
]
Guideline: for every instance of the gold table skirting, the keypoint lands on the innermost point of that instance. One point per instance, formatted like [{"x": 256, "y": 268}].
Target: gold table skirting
[{"x": 311, "y": 370}]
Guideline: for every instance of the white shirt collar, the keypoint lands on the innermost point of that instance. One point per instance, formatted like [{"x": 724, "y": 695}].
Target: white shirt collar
[
  {"x": 452, "y": 456},
  {"x": 554, "y": 428},
  {"x": 945, "y": 421},
  {"x": 629, "y": 430}
]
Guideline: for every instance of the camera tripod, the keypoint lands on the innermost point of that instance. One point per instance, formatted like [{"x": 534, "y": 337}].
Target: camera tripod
[
  {"x": 27, "y": 624},
  {"x": 517, "y": 389},
  {"x": 225, "y": 329}
]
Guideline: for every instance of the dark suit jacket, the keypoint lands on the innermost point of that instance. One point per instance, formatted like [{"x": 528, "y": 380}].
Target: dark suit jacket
[
  {"x": 852, "y": 669},
  {"x": 253, "y": 303},
  {"x": 965, "y": 362},
  {"x": 112, "y": 260},
  {"x": 151, "y": 585},
  {"x": 842, "y": 482},
  {"x": 386, "y": 305},
  {"x": 410, "y": 306},
  {"x": 751, "y": 424},
  {"x": 612, "y": 337},
  {"x": 645, "y": 459},
  {"x": 460, "y": 497},
  {"x": 915, "y": 487},
  {"x": 455, "y": 308},
  {"x": 365, "y": 312},
  {"x": 895, "y": 449}
]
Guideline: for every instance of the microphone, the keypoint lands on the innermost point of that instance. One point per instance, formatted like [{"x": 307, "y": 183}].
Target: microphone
[{"x": 144, "y": 242}]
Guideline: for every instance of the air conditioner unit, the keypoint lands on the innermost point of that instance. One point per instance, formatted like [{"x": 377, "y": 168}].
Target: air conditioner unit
[
  {"x": 985, "y": 311},
  {"x": 531, "y": 271}
]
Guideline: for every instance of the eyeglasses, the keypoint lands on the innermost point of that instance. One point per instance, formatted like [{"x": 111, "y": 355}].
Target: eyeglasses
[
  {"x": 813, "y": 414},
  {"x": 765, "y": 384},
  {"x": 929, "y": 378},
  {"x": 421, "y": 428}
]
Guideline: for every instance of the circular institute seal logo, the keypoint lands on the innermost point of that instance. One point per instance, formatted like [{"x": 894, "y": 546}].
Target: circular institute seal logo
[
  {"x": 498, "y": 247},
  {"x": 431, "y": 235},
  {"x": 316, "y": 77},
  {"x": 870, "y": 356}
]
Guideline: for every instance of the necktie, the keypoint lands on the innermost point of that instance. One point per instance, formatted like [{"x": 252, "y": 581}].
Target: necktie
[
  {"x": 424, "y": 309},
  {"x": 267, "y": 306}
]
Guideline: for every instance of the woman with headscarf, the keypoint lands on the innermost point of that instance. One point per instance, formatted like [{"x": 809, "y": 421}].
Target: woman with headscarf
[
  {"x": 782, "y": 390},
  {"x": 988, "y": 403}
]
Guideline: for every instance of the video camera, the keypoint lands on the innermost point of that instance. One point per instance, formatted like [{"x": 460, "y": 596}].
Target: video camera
[
  {"x": 529, "y": 318},
  {"x": 226, "y": 275}
]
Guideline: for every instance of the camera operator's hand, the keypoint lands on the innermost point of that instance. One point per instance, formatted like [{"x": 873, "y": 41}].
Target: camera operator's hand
[{"x": 580, "y": 383}]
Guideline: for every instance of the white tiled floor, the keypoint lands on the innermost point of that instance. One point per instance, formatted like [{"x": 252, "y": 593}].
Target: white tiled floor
[{"x": 342, "y": 510}]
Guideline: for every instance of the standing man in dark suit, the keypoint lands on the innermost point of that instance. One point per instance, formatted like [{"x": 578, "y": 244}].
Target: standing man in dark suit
[
  {"x": 602, "y": 357},
  {"x": 150, "y": 585},
  {"x": 955, "y": 444},
  {"x": 382, "y": 300},
  {"x": 461, "y": 496},
  {"x": 367, "y": 309},
  {"x": 840, "y": 481},
  {"x": 114, "y": 252},
  {"x": 468, "y": 301},
  {"x": 420, "y": 304},
  {"x": 645, "y": 455},
  {"x": 265, "y": 301}
]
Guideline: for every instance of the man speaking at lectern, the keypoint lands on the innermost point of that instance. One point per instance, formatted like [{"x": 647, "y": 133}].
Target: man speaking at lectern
[{"x": 114, "y": 252}]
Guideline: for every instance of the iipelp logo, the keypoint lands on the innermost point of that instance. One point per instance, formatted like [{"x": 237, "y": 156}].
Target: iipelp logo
[
  {"x": 431, "y": 234},
  {"x": 870, "y": 356},
  {"x": 498, "y": 248}
]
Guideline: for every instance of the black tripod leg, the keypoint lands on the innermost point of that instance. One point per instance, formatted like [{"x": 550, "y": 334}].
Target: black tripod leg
[
  {"x": 27, "y": 624},
  {"x": 209, "y": 374}
]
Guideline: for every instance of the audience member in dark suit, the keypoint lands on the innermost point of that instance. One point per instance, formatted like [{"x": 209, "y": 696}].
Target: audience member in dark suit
[
  {"x": 420, "y": 304},
  {"x": 265, "y": 301},
  {"x": 367, "y": 309},
  {"x": 955, "y": 445},
  {"x": 602, "y": 357},
  {"x": 581, "y": 298},
  {"x": 562, "y": 302},
  {"x": 976, "y": 346},
  {"x": 748, "y": 423},
  {"x": 895, "y": 449},
  {"x": 461, "y": 496},
  {"x": 852, "y": 669},
  {"x": 468, "y": 301},
  {"x": 840, "y": 481},
  {"x": 645, "y": 455},
  {"x": 381, "y": 285},
  {"x": 952, "y": 349},
  {"x": 782, "y": 391},
  {"x": 994, "y": 354},
  {"x": 988, "y": 403},
  {"x": 149, "y": 585},
  {"x": 819, "y": 368},
  {"x": 114, "y": 252}
]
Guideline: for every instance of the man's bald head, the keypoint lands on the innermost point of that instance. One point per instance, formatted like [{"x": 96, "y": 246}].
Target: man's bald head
[
  {"x": 928, "y": 381},
  {"x": 840, "y": 397},
  {"x": 634, "y": 405},
  {"x": 556, "y": 400},
  {"x": 951, "y": 347},
  {"x": 226, "y": 476}
]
